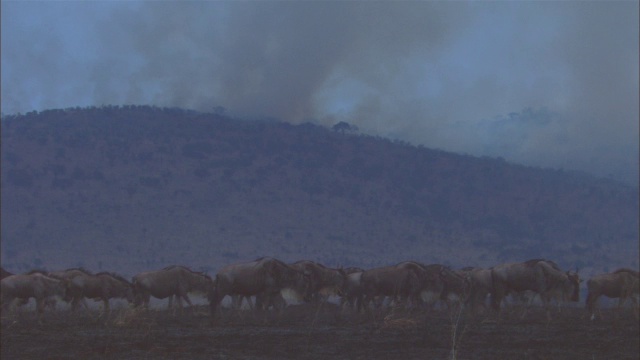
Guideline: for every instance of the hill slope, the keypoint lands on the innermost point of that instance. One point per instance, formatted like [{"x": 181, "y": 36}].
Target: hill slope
[{"x": 135, "y": 188}]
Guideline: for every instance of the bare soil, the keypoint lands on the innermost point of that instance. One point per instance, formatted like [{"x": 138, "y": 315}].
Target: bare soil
[{"x": 310, "y": 332}]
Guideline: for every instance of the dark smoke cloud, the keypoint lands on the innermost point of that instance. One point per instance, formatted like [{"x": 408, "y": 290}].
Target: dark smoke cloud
[{"x": 546, "y": 84}]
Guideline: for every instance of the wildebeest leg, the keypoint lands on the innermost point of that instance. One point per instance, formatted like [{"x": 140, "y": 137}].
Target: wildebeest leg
[
  {"x": 105, "y": 306},
  {"x": 186, "y": 298},
  {"x": 173, "y": 307},
  {"x": 348, "y": 303},
  {"x": 215, "y": 297},
  {"x": 51, "y": 303},
  {"x": 498, "y": 294},
  {"x": 39, "y": 308},
  {"x": 592, "y": 303},
  {"x": 75, "y": 303},
  {"x": 478, "y": 302},
  {"x": 636, "y": 310},
  {"x": 236, "y": 302},
  {"x": 622, "y": 300},
  {"x": 527, "y": 303},
  {"x": 250, "y": 302},
  {"x": 146, "y": 298},
  {"x": 548, "y": 311},
  {"x": 359, "y": 303},
  {"x": 84, "y": 303},
  {"x": 7, "y": 301},
  {"x": 364, "y": 303},
  {"x": 546, "y": 302}
]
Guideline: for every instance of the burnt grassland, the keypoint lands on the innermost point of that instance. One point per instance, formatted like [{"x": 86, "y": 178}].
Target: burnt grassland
[{"x": 308, "y": 332}]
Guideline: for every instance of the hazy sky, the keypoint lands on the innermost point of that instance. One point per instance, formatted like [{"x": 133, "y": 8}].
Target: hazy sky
[{"x": 551, "y": 84}]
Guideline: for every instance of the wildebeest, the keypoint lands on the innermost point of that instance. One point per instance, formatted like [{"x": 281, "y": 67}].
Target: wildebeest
[
  {"x": 440, "y": 283},
  {"x": 429, "y": 283},
  {"x": 50, "y": 301},
  {"x": 4, "y": 273},
  {"x": 262, "y": 277},
  {"x": 398, "y": 282},
  {"x": 481, "y": 286},
  {"x": 104, "y": 286},
  {"x": 352, "y": 287},
  {"x": 112, "y": 286},
  {"x": 622, "y": 284},
  {"x": 25, "y": 286},
  {"x": 456, "y": 287},
  {"x": 323, "y": 281},
  {"x": 76, "y": 280},
  {"x": 170, "y": 281},
  {"x": 539, "y": 275}
]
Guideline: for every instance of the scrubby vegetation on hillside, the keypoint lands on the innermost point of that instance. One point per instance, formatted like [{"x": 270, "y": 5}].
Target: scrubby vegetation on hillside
[{"x": 139, "y": 187}]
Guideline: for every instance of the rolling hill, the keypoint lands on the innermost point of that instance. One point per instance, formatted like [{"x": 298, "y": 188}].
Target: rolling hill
[{"x": 134, "y": 188}]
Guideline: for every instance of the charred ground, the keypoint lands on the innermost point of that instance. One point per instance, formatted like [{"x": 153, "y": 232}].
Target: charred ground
[{"x": 306, "y": 332}]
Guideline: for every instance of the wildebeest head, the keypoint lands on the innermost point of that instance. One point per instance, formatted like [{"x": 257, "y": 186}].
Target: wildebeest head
[
  {"x": 138, "y": 296},
  {"x": 456, "y": 283},
  {"x": 340, "y": 278},
  {"x": 63, "y": 289},
  {"x": 286, "y": 276},
  {"x": 120, "y": 287},
  {"x": 202, "y": 282},
  {"x": 129, "y": 294},
  {"x": 342, "y": 283},
  {"x": 304, "y": 285},
  {"x": 123, "y": 289}
]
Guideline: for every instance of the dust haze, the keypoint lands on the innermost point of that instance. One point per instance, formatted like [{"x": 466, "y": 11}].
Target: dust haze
[{"x": 541, "y": 83}]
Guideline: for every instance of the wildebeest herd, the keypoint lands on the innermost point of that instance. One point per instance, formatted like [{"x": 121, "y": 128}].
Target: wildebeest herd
[{"x": 266, "y": 283}]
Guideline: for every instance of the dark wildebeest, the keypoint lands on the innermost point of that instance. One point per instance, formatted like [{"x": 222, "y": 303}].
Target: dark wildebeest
[
  {"x": 171, "y": 281},
  {"x": 25, "y": 286},
  {"x": 622, "y": 284},
  {"x": 102, "y": 286},
  {"x": 440, "y": 283},
  {"x": 541, "y": 276},
  {"x": 113, "y": 286},
  {"x": 324, "y": 281},
  {"x": 559, "y": 291},
  {"x": 51, "y": 301},
  {"x": 76, "y": 278},
  {"x": 398, "y": 282},
  {"x": 263, "y": 277},
  {"x": 4, "y": 273},
  {"x": 352, "y": 288},
  {"x": 481, "y": 286},
  {"x": 429, "y": 285},
  {"x": 457, "y": 287}
]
